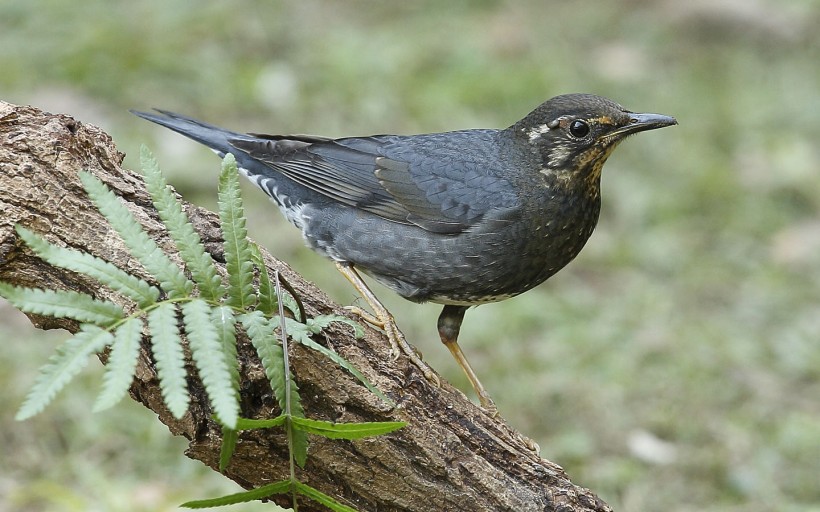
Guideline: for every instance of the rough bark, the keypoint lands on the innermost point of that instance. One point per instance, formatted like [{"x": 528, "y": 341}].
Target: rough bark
[{"x": 451, "y": 456}]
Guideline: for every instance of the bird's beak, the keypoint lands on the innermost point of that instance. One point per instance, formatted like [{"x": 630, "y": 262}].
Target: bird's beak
[{"x": 643, "y": 122}]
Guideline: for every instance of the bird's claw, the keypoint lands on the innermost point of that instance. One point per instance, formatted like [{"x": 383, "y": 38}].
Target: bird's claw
[
  {"x": 365, "y": 316},
  {"x": 398, "y": 344},
  {"x": 487, "y": 404}
]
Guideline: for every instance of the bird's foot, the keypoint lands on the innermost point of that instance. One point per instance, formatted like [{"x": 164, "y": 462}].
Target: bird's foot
[
  {"x": 398, "y": 343},
  {"x": 530, "y": 444},
  {"x": 365, "y": 316},
  {"x": 395, "y": 347},
  {"x": 487, "y": 403}
]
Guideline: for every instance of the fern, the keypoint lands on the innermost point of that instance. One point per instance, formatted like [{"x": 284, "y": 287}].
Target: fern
[
  {"x": 259, "y": 493},
  {"x": 268, "y": 303},
  {"x": 301, "y": 333},
  {"x": 237, "y": 248},
  {"x": 249, "y": 424},
  {"x": 268, "y": 300},
  {"x": 206, "y": 350},
  {"x": 167, "y": 349},
  {"x": 346, "y": 430},
  {"x": 140, "y": 291},
  {"x": 326, "y": 429},
  {"x": 62, "y": 304},
  {"x": 170, "y": 277},
  {"x": 260, "y": 331},
  {"x": 190, "y": 247},
  {"x": 208, "y": 321},
  {"x": 320, "y": 322},
  {"x": 229, "y": 440},
  {"x": 119, "y": 371},
  {"x": 67, "y": 362},
  {"x": 225, "y": 323},
  {"x": 320, "y": 497}
]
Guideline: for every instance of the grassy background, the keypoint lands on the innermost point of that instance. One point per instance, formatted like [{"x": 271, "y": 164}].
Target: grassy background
[{"x": 674, "y": 366}]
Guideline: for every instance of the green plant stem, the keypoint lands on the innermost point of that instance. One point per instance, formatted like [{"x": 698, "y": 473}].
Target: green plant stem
[{"x": 283, "y": 333}]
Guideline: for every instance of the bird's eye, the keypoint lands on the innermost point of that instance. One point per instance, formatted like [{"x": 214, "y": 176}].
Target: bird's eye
[{"x": 579, "y": 129}]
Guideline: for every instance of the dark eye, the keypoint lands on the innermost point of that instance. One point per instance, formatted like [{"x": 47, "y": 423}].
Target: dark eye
[{"x": 579, "y": 129}]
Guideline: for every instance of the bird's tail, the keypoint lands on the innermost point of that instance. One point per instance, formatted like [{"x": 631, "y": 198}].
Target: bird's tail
[{"x": 214, "y": 137}]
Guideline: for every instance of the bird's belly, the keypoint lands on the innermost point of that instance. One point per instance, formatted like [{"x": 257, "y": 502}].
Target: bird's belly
[{"x": 468, "y": 268}]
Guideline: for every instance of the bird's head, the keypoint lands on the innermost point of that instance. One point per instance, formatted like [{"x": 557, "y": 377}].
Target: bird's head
[{"x": 574, "y": 134}]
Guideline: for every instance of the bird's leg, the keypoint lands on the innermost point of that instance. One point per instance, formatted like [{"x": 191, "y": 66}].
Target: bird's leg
[
  {"x": 449, "y": 325},
  {"x": 385, "y": 320}
]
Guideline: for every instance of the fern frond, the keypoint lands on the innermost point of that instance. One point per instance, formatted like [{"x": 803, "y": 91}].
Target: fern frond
[
  {"x": 268, "y": 301},
  {"x": 260, "y": 331},
  {"x": 225, "y": 323},
  {"x": 249, "y": 424},
  {"x": 267, "y": 294},
  {"x": 121, "y": 365},
  {"x": 62, "y": 366},
  {"x": 179, "y": 227},
  {"x": 301, "y": 334},
  {"x": 237, "y": 248},
  {"x": 62, "y": 304},
  {"x": 346, "y": 430},
  {"x": 229, "y": 439},
  {"x": 259, "y": 493},
  {"x": 320, "y": 322},
  {"x": 210, "y": 360},
  {"x": 166, "y": 346},
  {"x": 106, "y": 273},
  {"x": 157, "y": 263},
  {"x": 320, "y": 497},
  {"x": 298, "y": 443}
]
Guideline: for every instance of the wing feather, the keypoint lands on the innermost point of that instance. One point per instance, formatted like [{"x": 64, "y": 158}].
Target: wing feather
[{"x": 433, "y": 181}]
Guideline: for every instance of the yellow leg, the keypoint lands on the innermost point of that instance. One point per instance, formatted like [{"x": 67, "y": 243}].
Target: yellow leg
[
  {"x": 385, "y": 320},
  {"x": 483, "y": 396},
  {"x": 449, "y": 325}
]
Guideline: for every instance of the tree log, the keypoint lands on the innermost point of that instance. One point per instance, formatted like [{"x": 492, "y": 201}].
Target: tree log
[{"x": 451, "y": 456}]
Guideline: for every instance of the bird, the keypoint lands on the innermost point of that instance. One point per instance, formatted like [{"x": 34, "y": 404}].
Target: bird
[{"x": 459, "y": 218}]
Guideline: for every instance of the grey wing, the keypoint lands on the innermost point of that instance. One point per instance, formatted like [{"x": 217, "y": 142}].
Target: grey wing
[{"x": 413, "y": 180}]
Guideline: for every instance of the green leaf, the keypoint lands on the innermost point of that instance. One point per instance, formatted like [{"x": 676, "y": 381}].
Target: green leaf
[
  {"x": 237, "y": 248},
  {"x": 210, "y": 360},
  {"x": 62, "y": 366},
  {"x": 319, "y": 322},
  {"x": 122, "y": 363},
  {"x": 320, "y": 497},
  {"x": 225, "y": 323},
  {"x": 106, "y": 273},
  {"x": 346, "y": 430},
  {"x": 267, "y": 292},
  {"x": 229, "y": 438},
  {"x": 298, "y": 441},
  {"x": 260, "y": 331},
  {"x": 249, "y": 424},
  {"x": 301, "y": 334},
  {"x": 188, "y": 242},
  {"x": 156, "y": 262},
  {"x": 166, "y": 346},
  {"x": 62, "y": 304},
  {"x": 268, "y": 302},
  {"x": 242, "y": 497}
]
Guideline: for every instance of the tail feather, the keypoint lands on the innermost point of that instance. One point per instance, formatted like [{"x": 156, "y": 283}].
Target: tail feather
[{"x": 212, "y": 136}]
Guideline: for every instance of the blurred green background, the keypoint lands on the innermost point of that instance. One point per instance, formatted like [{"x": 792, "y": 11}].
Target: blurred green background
[{"x": 674, "y": 366}]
